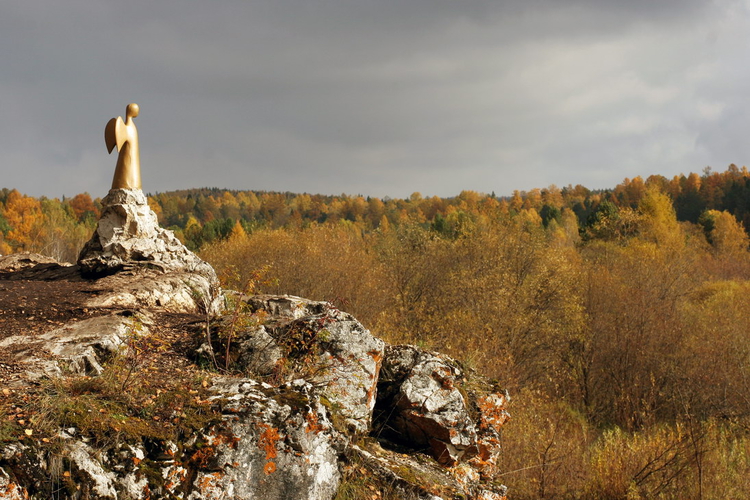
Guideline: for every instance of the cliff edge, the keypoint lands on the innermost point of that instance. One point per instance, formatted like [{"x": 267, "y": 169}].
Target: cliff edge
[{"x": 133, "y": 375}]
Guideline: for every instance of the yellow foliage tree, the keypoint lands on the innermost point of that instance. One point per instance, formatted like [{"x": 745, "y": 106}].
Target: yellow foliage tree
[
  {"x": 238, "y": 232},
  {"x": 659, "y": 220},
  {"x": 727, "y": 235}
]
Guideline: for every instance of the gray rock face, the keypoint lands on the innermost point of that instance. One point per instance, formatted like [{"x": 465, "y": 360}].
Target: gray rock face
[
  {"x": 264, "y": 448},
  {"x": 287, "y": 449},
  {"x": 338, "y": 354},
  {"x": 258, "y": 352},
  {"x": 421, "y": 391},
  {"x": 129, "y": 235},
  {"x": 425, "y": 402},
  {"x": 79, "y": 348},
  {"x": 153, "y": 290}
]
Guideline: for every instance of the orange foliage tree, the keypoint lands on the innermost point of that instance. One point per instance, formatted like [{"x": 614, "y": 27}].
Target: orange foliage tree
[{"x": 24, "y": 216}]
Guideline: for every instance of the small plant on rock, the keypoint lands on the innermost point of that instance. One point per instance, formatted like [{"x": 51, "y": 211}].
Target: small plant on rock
[
  {"x": 137, "y": 347},
  {"x": 240, "y": 317}
]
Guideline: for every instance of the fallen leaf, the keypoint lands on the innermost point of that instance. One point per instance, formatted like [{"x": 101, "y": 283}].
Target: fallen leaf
[{"x": 29, "y": 432}]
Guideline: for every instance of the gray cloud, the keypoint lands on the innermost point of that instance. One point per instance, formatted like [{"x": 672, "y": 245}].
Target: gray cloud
[{"x": 380, "y": 98}]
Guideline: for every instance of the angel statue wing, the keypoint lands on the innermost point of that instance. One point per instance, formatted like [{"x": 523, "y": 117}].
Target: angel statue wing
[{"x": 115, "y": 134}]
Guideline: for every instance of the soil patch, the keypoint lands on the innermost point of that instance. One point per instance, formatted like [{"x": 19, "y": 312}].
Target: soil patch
[{"x": 36, "y": 300}]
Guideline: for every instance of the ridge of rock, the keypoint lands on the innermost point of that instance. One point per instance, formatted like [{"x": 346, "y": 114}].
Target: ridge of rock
[{"x": 290, "y": 397}]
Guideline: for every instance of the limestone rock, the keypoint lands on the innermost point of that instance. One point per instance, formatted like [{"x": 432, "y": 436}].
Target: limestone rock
[
  {"x": 425, "y": 402},
  {"x": 18, "y": 457},
  {"x": 286, "y": 441},
  {"x": 11, "y": 490},
  {"x": 97, "y": 479},
  {"x": 19, "y": 261},
  {"x": 491, "y": 407},
  {"x": 423, "y": 389},
  {"x": 263, "y": 440},
  {"x": 340, "y": 355},
  {"x": 257, "y": 351},
  {"x": 79, "y": 348},
  {"x": 148, "y": 289},
  {"x": 415, "y": 477},
  {"x": 270, "y": 443},
  {"x": 129, "y": 235}
]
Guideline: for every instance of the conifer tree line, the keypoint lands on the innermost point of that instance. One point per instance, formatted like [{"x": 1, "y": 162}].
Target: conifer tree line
[{"x": 619, "y": 320}]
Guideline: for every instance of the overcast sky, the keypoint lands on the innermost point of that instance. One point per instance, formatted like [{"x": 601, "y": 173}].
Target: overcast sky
[{"x": 378, "y": 97}]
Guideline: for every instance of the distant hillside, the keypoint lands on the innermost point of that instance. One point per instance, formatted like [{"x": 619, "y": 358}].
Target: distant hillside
[{"x": 203, "y": 215}]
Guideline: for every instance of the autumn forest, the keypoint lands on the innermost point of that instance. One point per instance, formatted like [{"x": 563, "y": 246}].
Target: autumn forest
[{"x": 618, "y": 319}]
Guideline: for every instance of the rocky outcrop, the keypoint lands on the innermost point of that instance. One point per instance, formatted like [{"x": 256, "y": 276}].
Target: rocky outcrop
[
  {"x": 260, "y": 446},
  {"x": 427, "y": 401},
  {"x": 314, "y": 340},
  {"x": 422, "y": 405},
  {"x": 176, "y": 292},
  {"x": 287, "y": 448},
  {"x": 80, "y": 348},
  {"x": 14, "y": 263},
  {"x": 128, "y": 239},
  {"x": 156, "y": 384},
  {"x": 128, "y": 235}
]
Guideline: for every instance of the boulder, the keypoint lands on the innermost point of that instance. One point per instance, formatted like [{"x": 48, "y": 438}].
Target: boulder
[
  {"x": 427, "y": 402},
  {"x": 278, "y": 438},
  {"x": 316, "y": 341},
  {"x": 423, "y": 406}
]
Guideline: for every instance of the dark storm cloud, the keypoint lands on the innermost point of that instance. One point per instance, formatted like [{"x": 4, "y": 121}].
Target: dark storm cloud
[{"x": 380, "y": 98}]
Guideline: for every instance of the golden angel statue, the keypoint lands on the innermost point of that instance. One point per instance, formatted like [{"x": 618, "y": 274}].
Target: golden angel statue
[{"x": 125, "y": 136}]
